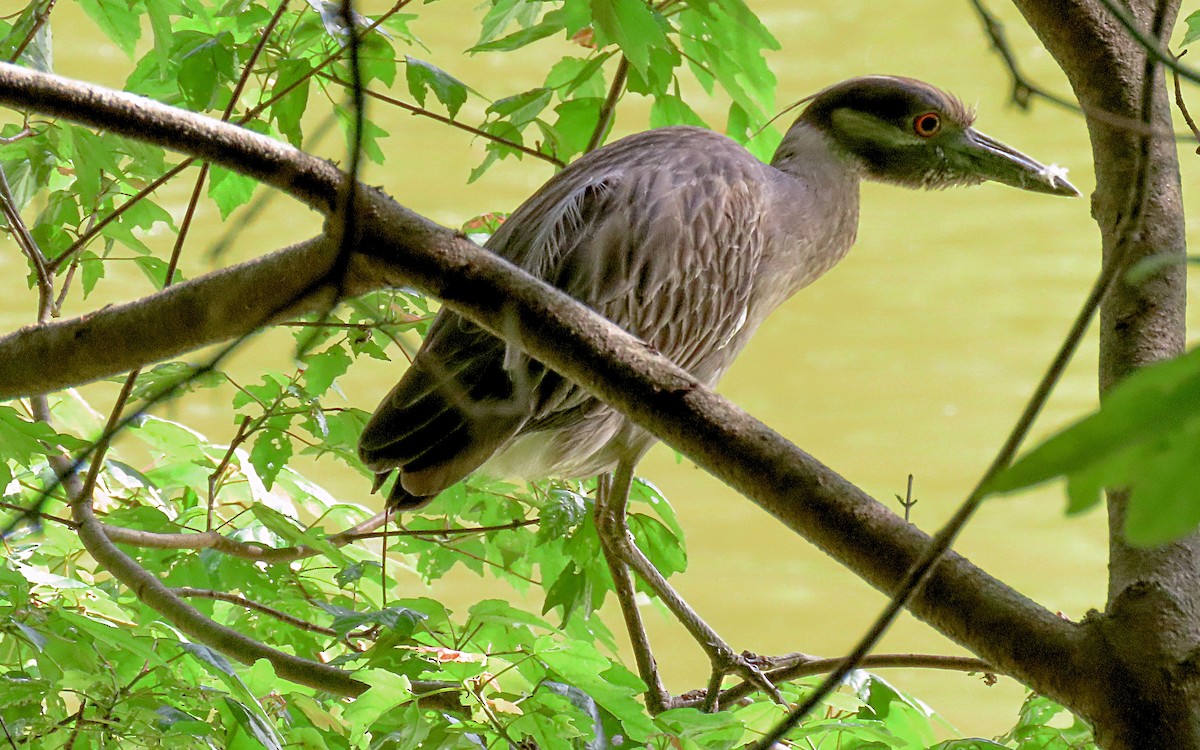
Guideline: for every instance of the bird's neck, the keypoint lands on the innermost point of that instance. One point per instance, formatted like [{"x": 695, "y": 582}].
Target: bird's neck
[
  {"x": 806, "y": 153},
  {"x": 814, "y": 206}
]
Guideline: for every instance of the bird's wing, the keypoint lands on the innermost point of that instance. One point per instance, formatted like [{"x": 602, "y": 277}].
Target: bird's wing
[
  {"x": 670, "y": 251},
  {"x": 637, "y": 232}
]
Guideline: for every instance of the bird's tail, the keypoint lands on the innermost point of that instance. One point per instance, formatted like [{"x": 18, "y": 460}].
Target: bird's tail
[{"x": 400, "y": 499}]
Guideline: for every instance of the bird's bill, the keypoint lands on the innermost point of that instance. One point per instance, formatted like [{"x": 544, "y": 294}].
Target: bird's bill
[{"x": 995, "y": 161}]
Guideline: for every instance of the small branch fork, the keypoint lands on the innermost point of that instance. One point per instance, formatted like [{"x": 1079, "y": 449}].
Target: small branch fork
[{"x": 1024, "y": 91}]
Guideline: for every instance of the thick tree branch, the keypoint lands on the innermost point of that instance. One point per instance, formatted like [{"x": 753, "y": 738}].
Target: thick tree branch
[
  {"x": 210, "y": 309},
  {"x": 399, "y": 248}
]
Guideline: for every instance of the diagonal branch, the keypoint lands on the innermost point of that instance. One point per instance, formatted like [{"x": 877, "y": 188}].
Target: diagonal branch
[{"x": 400, "y": 248}]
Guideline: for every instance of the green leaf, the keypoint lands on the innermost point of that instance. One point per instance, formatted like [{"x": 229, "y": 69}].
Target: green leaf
[
  {"x": 292, "y": 76},
  {"x": 1164, "y": 504},
  {"x": 504, "y": 12},
  {"x": 610, "y": 685},
  {"x": 724, "y": 42},
  {"x": 582, "y": 78},
  {"x": 154, "y": 269},
  {"x": 1142, "y": 437},
  {"x": 386, "y": 691},
  {"x": 718, "y": 731},
  {"x": 671, "y": 109},
  {"x": 320, "y": 370},
  {"x": 118, "y": 22},
  {"x": 663, "y": 548},
  {"x": 160, "y": 12},
  {"x": 403, "y": 621},
  {"x": 181, "y": 377},
  {"x": 25, "y": 441},
  {"x": 522, "y": 108},
  {"x": 271, "y": 451},
  {"x": 519, "y": 39},
  {"x": 1193, "y": 28},
  {"x": 371, "y": 134},
  {"x": 423, "y": 77},
  {"x": 92, "y": 158},
  {"x": 229, "y": 190},
  {"x": 634, "y": 27},
  {"x": 204, "y": 69},
  {"x": 38, "y": 53},
  {"x": 255, "y": 723},
  {"x": 576, "y": 120}
]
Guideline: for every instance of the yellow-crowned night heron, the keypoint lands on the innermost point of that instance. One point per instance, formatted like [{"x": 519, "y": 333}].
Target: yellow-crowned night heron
[{"x": 687, "y": 241}]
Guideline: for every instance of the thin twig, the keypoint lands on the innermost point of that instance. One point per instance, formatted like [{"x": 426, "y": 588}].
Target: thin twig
[
  {"x": 215, "y": 477},
  {"x": 122, "y": 400},
  {"x": 29, "y": 246},
  {"x": 1153, "y": 46},
  {"x": 448, "y": 531},
  {"x": 453, "y": 123},
  {"x": 798, "y": 666},
  {"x": 241, "y": 601},
  {"x": 41, "y": 516},
  {"x": 907, "y": 502},
  {"x": 657, "y": 698},
  {"x": 610, "y": 103},
  {"x": 38, "y": 21},
  {"x": 197, "y": 540},
  {"x": 1022, "y": 89},
  {"x": 1179, "y": 102},
  {"x": 250, "y": 115}
]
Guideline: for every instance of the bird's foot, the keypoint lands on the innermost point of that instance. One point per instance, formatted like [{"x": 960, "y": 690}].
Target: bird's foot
[{"x": 744, "y": 665}]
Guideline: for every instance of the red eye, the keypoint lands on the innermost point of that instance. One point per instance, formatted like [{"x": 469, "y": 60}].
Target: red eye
[{"x": 927, "y": 125}]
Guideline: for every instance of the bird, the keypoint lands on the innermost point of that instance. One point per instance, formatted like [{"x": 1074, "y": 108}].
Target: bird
[{"x": 687, "y": 241}]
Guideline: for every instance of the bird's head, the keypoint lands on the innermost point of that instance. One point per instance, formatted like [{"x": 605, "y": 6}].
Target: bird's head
[{"x": 907, "y": 132}]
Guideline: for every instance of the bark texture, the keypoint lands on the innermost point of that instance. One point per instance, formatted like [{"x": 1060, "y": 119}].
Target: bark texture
[{"x": 1143, "y": 646}]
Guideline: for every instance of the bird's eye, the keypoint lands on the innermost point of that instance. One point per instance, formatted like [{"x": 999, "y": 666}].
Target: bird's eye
[{"x": 927, "y": 125}]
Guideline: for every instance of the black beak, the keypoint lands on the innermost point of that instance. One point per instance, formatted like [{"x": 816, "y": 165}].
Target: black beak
[{"x": 995, "y": 161}]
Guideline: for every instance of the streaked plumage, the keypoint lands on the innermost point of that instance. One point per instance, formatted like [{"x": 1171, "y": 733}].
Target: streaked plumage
[{"x": 687, "y": 241}]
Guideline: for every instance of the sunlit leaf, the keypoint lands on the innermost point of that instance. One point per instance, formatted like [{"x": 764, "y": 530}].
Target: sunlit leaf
[
  {"x": 292, "y": 83},
  {"x": 117, "y": 20},
  {"x": 229, "y": 190},
  {"x": 519, "y": 39},
  {"x": 270, "y": 454},
  {"x": 634, "y": 27},
  {"x": 1193, "y": 28},
  {"x": 424, "y": 77}
]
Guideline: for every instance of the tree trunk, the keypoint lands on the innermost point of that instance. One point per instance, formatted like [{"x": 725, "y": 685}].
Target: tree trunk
[{"x": 1145, "y": 640}]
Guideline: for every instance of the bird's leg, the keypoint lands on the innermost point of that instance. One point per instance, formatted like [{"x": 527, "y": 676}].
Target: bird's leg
[
  {"x": 657, "y": 697},
  {"x": 613, "y": 529}
]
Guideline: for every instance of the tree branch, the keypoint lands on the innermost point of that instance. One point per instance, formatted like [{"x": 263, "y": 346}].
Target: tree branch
[
  {"x": 400, "y": 248},
  {"x": 805, "y": 665},
  {"x": 241, "y": 601}
]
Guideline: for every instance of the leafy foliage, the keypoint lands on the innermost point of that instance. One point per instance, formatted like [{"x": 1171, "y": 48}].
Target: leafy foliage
[{"x": 86, "y": 664}]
